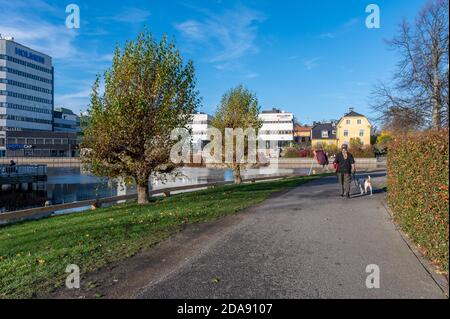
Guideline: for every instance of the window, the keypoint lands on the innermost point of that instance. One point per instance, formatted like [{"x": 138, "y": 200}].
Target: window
[
  {"x": 348, "y": 122},
  {"x": 359, "y": 122},
  {"x": 346, "y": 133},
  {"x": 324, "y": 134},
  {"x": 361, "y": 133},
  {"x": 30, "y": 140},
  {"x": 20, "y": 141},
  {"x": 40, "y": 141},
  {"x": 48, "y": 141},
  {"x": 333, "y": 132}
]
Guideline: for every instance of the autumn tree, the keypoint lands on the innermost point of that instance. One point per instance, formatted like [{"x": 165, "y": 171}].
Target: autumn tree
[
  {"x": 239, "y": 111},
  {"x": 148, "y": 92},
  {"x": 418, "y": 96}
]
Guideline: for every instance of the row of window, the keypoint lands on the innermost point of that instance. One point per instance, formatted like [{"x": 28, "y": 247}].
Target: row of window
[
  {"x": 275, "y": 132},
  {"x": 24, "y": 119},
  {"x": 25, "y": 63},
  {"x": 40, "y": 141},
  {"x": 25, "y": 74},
  {"x": 26, "y": 86},
  {"x": 25, "y": 108},
  {"x": 25, "y": 97},
  {"x": 361, "y": 133},
  {"x": 325, "y": 134},
  {"x": 278, "y": 122},
  {"x": 17, "y": 129},
  {"x": 348, "y": 122}
]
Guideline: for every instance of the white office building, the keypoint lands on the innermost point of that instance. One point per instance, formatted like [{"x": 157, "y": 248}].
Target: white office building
[
  {"x": 26, "y": 90},
  {"x": 64, "y": 120},
  {"x": 277, "y": 129},
  {"x": 199, "y": 126}
]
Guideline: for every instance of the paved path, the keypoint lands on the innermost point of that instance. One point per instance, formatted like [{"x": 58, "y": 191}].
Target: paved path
[{"x": 307, "y": 243}]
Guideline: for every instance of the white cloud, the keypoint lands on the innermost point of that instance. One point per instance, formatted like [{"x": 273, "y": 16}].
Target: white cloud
[
  {"x": 130, "y": 15},
  {"x": 225, "y": 37},
  {"x": 311, "y": 63}
]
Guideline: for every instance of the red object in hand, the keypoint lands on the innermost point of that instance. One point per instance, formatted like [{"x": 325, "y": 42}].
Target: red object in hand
[{"x": 335, "y": 165}]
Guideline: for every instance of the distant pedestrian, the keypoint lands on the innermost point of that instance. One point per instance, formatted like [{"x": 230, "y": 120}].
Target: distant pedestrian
[{"x": 345, "y": 165}]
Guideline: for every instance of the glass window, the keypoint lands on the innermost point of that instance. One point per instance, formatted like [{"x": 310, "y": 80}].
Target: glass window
[
  {"x": 20, "y": 141},
  {"x": 40, "y": 141},
  {"x": 324, "y": 134},
  {"x": 361, "y": 133},
  {"x": 30, "y": 140},
  {"x": 359, "y": 122},
  {"x": 348, "y": 122},
  {"x": 345, "y": 133},
  {"x": 48, "y": 141}
]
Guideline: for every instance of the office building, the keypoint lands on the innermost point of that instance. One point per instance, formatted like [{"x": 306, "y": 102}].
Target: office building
[
  {"x": 64, "y": 120},
  {"x": 277, "y": 128},
  {"x": 199, "y": 126},
  {"x": 26, "y": 90}
]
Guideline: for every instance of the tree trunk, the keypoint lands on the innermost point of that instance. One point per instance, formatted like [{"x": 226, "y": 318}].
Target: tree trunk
[
  {"x": 143, "y": 192},
  {"x": 237, "y": 174}
]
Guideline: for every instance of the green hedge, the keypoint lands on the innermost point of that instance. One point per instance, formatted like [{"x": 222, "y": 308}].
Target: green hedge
[{"x": 418, "y": 191}]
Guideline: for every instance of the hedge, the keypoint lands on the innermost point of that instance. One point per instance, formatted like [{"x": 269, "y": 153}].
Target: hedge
[{"x": 418, "y": 176}]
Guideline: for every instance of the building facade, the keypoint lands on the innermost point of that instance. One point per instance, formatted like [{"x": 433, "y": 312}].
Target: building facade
[
  {"x": 302, "y": 134},
  {"x": 26, "y": 90},
  {"x": 199, "y": 126},
  {"x": 64, "y": 120},
  {"x": 41, "y": 144},
  {"x": 353, "y": 125},
  {"x": 323, "y": 134},
  {"x": 277, "y": 128}
]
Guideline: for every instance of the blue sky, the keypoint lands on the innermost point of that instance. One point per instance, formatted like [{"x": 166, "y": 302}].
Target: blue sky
[{"x": 313, "y": 58}]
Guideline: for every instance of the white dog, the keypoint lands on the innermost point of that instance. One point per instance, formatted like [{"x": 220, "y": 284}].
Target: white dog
[{"x": 365, "y": 185}]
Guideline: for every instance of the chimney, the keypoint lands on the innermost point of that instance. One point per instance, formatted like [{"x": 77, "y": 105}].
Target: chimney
[{"x": 351, "y": 109}]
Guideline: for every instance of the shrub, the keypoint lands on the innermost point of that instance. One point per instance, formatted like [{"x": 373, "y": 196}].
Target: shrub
[
  {"x": 418, "y": 191},
  {"x": 367, "y": 151},
  {"x": 293, "y": 152}
]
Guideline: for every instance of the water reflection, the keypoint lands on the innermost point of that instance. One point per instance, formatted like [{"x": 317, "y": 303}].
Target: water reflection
[{"x": 70, "y": 184}]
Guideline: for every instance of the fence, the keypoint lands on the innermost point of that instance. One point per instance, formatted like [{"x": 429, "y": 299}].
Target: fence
[
  {"x": 49, "y": 161},
  {"x": 98, "y": 202}
]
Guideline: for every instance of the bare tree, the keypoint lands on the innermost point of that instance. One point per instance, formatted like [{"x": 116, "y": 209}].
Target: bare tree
[{"x": 418, "y": 97}]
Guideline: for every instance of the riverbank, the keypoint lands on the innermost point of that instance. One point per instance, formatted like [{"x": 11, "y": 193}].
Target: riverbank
[{"x": 35, "y": 254}]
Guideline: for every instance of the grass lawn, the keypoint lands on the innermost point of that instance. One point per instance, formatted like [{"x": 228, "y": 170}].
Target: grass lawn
[{"x": 35, "y": 254}]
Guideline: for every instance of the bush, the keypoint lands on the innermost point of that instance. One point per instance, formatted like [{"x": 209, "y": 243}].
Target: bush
[
  {"x": 293, "y": 152},
  {"x": 367, "y": 151},
  {"x": 418, "y": 191}
]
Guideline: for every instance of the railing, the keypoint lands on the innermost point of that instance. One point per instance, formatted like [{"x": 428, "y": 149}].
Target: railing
[
  {"x": 8, "y": 170},
  {"x": 98, "y": 202}
]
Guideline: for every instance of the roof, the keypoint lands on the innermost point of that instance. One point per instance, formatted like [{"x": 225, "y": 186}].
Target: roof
[
  {"x": 353, "y": 114},
  {"x": 318, "y": 128},
  {"x": 300, "y": 128}
]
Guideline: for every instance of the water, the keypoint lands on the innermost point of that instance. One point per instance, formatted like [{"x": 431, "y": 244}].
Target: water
[{"x": 70, "y": 184}]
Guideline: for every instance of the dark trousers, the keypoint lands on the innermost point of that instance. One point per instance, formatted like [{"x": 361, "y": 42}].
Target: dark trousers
[{"x": 345, "y": 182}]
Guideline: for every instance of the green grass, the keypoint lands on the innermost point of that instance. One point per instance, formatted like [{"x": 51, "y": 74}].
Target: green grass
[{"x": 35, "y": 254}]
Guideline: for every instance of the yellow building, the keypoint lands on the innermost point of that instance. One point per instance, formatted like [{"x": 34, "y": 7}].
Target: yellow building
[{"x": 353, "y": 125}]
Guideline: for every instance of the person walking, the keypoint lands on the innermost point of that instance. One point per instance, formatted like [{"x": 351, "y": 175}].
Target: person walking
[{"x": 345, "y": 165}]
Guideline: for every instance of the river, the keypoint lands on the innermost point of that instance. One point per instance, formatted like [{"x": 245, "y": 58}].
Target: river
[{"x": 70, "y": 184}]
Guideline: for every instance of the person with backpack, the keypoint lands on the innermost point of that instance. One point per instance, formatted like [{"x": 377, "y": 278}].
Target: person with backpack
[{"x": 345, "y": 165}]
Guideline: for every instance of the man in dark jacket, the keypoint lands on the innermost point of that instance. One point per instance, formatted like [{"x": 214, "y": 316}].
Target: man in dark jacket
[{"x": 345, "y": 166}]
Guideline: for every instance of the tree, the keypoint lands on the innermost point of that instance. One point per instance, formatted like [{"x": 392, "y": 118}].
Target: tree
[
  {"x": 238, "y": 109},
  {"x": 418, "y": 97},
  {"x": 148, "y": 92}
]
